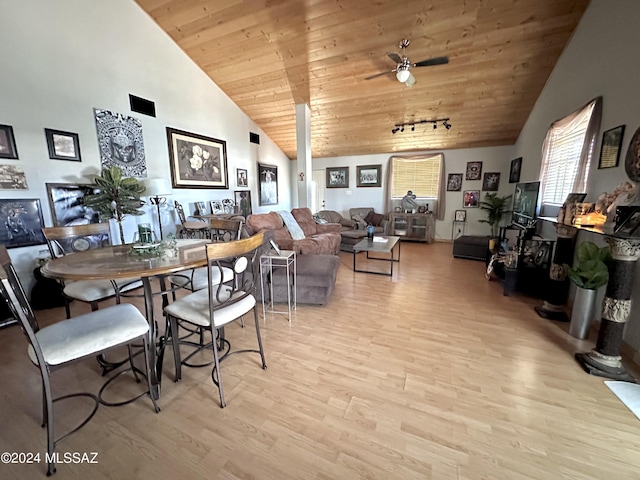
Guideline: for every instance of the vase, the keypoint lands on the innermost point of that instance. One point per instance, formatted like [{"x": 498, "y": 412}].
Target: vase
[{"x": 582, "y": 313}]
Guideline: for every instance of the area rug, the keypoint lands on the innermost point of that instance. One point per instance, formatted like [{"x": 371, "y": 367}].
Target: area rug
[{"x": 628, "y": 393}]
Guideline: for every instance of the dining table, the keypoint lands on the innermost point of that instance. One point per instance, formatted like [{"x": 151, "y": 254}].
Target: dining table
[{"x": 131, "y": 261}]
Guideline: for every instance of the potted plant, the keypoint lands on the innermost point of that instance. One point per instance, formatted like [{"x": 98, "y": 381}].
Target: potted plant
[
  {"x": 589, "y": 274},
  {"x": 496, "y": 207},
  {"x": 118, "y": 197}
]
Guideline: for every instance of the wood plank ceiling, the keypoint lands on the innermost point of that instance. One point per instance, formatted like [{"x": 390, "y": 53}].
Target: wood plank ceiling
[{"x": 269, "y": 55}]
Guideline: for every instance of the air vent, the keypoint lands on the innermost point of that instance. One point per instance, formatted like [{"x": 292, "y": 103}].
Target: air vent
[
  {"x": 142, "y": 105},
  {"x": 254, "y": 138}
]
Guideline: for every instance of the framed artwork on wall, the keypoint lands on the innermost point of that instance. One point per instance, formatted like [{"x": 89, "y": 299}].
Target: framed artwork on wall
[
  {"x": 268, "y": 184},
  {"x": 471, "y": 198},
  {"x": 514, "y": 171},
  {"x": 23, "y": 222},
  {"x": 7, "y": 143},
  {"x": 241, "y": 178},
  {"x": 120, "y": 142},
  {"x": 63, "y": 145},
  {"x": 369, "y": 175},
  {"x": 197, "y": 161},
  {"x": 338, "y": 177},
  {"x": 460, "y": 216},
  {"x": 454, "y": 182},
  {"x": 474, "y": 170},
  {"x": 12, "y": 178},
  {"x": 610, "y": 148},
  {"x": 491, "y": 181},
  {"x": 243, "y": 202},
  {"x": 66, "y": 202}
]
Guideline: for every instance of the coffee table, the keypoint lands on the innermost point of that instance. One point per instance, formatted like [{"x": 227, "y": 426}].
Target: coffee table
[{"x": 377, "y": 245}]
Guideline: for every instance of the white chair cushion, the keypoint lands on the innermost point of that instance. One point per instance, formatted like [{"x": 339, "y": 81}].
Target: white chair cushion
[
  {"x": 90, "y": 333},
  {"x": 194, "y": 308},
  {"x": 199, "y": 280},
  {"x": 93, "y": 290}
]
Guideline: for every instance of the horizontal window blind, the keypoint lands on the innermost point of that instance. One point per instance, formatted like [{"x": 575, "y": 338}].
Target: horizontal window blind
[{"x": 421, "y": 176}]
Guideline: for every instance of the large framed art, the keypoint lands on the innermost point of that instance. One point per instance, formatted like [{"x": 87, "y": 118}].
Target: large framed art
[
  {"x": 66, "y": 201},
  {"x": 369, "y": 175},
  {"x": 22, "y": 221},
  {"x": 338, "y": 177},
  {"x": 197, "y": 161},
  {"x": 63, "y": 145},
  {"x": 268, "y": 175}
]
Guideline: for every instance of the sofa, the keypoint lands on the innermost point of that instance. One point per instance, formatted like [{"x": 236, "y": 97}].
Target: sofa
[{"x": 319, "y": 238}]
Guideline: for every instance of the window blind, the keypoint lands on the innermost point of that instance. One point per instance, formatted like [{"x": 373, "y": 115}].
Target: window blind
[{"x": 421, "y": 176}]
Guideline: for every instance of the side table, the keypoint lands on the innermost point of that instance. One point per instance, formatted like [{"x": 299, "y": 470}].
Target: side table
[{"x": 285, "y": 259}]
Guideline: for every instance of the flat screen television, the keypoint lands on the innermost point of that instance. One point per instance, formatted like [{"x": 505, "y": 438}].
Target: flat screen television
[{"x": 525, "y": 203}]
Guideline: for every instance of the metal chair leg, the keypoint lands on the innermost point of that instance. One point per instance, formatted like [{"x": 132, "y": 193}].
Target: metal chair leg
[{"x": 217, "y": 369}]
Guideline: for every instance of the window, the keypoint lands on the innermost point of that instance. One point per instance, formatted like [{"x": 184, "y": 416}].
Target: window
[
  {"x": 421, "y": 175},
  {"x": 567, "y": 152}
]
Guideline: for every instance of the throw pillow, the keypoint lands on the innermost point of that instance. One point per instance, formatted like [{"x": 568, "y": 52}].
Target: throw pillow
[
  {"x": 360, "y": 222},
  {"x": 374, "y": 218}
]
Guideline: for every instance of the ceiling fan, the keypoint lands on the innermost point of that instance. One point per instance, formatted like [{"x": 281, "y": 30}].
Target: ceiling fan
[{"x": 404, "y": 65}]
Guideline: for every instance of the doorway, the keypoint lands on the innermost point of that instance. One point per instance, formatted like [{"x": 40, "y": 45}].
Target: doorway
[{"x": 317, "y": 191}]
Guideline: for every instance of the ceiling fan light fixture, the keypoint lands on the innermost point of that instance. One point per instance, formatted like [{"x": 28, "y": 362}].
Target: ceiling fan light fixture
[{"x": 403, "y": 74}]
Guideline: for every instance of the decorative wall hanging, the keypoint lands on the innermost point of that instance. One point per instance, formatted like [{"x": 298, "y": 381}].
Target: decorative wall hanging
[
  {"x": 491, "y": 181},
  {"x": 514, "y": 172},
  {"x": 66, "y": 201},
  {"x": 243, "y": 202},
  {"x": 22, "y": 219},
  {"x": 471, "y": 198},
  {"x": 474, "y": 170},
  {"x": 12, "y": 178},
  {"x": 610, "y": 148},
  {"x": 338, "y": 177},
  {"x": 454, "y": 182},
  {"x": 268, "y": 175},
  {"x": 197, "y": 161},
  {"x": 7, "y": 142},
  {"x": 242, "y": 180},
  {"x": 369, "y": 175},
  {"x": 120, "y": 143},
  {"x": 632, "y": 160},
  {"x": 63, "y": 145}
]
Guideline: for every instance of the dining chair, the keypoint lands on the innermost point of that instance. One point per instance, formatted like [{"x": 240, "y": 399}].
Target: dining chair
[
  {"x": 221, "y": 303},
  {"x": 61, "y": 343},
  {"x": 190, "y": 228},
  {"x": 76, "y": 238}
]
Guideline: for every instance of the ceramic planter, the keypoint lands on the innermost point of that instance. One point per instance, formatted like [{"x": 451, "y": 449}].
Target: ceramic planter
[{"x": 582, "y": 314}]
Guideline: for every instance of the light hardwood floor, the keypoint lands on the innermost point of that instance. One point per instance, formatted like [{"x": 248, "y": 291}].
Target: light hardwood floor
[{"x": 433, "y": 374}]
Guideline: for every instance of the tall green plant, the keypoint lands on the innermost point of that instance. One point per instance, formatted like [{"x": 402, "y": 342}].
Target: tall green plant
[
  {"x": 590, "y": 271},
  {"x": 118, "y": 196},
  {"x": 495, "y": 207}
]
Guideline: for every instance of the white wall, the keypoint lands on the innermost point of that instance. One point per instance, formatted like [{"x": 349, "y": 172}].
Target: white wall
[
  {"x": 494, "y": 159},
  {"x": 61, "y": 59},
  {"x": 599, "y": 61}
]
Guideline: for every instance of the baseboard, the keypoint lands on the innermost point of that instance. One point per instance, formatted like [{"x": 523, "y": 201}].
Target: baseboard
[{"x": 630, "y": 354}]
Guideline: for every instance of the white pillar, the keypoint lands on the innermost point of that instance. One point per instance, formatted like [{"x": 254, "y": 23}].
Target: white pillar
[{"x": 303, "y": 142}]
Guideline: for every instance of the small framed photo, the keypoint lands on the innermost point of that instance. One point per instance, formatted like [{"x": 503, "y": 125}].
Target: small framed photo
[
  {"x": 460, "y": 216},
  {"x": 474, "y": 170},
  {"x": 22, "y": 220},
  {"x": 369, "y": 175},
  {"x": 514, "y": 171},
  {"x": 610, "y": 148},
  {"x": 243, "y": 202},
  {"x": 63, "y": 145},
  {"x": 268, "y": 175},
  {"x": 201, "y": 208},
  {"x": 12, "y": 178},
  {"x": 454, "y": 182},
  {"x": 471, "y": 198},
  {"x": 338, "y": 177},
  {"x": 7, "y": 142},
  {"x": 241, "y": 177},
  {"x": 630, "y": 225},
  {"x": 491, "y": 181}
]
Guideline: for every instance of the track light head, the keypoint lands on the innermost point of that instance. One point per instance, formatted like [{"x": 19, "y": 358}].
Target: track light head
[
  {"x": 395, "y": 130},
  {"x": 446, "y": 124},
  {"x": 435, "y": 126},
  {"x": 402, "y": 129},
  {"x": 413, "y": 127}
]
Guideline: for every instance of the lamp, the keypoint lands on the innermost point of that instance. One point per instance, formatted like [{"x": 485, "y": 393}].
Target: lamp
[
  {"x": 403, "y": 73},
  {"x": 156, "y": 189}
]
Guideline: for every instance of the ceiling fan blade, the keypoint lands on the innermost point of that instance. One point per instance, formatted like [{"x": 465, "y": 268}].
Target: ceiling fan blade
[
  {"x": 395, "y": 57},
  {"x": 432, "y": 61},
  {"x": 378, "y": 75}
]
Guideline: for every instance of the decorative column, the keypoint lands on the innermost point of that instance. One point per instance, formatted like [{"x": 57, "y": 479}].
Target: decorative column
[
  {"x": 558, "y": 287},
  {"x": 605, "y": 359}
]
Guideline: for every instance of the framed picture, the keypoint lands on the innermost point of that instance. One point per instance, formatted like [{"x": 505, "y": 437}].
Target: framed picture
[
  {"x": 610, "y": 148},
  {"x": 454, "y": 182},
  {"x": 12, "y": 178},
  {"x": 7, "y": 142},
  {"x": 460, "y": 216},
  {"x": 369, "y": 175},
  {"x": 474, "y": 170},
  {"x": 471, "y": 198},
  {"x": 491, "y": 181},
  {"x": 197, "y": 161},
  {"x": 338, "y": 177},
  {"x": 63, "y": 145},
  {"x": 120, "y": 143},
  {"x": 201, "y": 208},
  {"x": 22, "y": 220},
  {"x": 268, "y": 178},
  {"x": 514, "y": 171},
  {"x": 241, "y": 178},
  {"x": 243, "y": 202},
  {"x": 630, "y": 225},
  {"x": 66, "y": 201}
]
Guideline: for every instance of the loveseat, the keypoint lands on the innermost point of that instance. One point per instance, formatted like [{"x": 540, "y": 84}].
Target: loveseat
[
  {"x": 331, "y": 216},
  {"x": 319, "y": 238}
]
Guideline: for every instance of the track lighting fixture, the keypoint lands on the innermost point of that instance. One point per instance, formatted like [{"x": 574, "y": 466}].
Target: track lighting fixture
[{"x": 399, "y": 127}]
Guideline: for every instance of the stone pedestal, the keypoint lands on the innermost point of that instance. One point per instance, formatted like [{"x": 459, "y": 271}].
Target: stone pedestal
[
  {"x": 605, "y": 359},
  {"x": 558, "y": 290}
]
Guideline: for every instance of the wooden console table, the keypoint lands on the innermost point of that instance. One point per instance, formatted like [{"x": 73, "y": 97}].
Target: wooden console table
[{"x": 419, "y": 227}]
